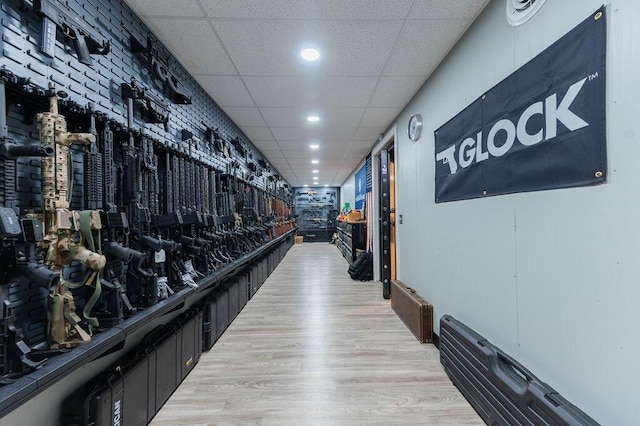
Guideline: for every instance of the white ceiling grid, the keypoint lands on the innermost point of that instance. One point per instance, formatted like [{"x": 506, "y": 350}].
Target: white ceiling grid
[{"x": 375, "y": 55}]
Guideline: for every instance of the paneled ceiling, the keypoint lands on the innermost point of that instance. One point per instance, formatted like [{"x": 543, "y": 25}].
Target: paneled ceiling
[{"x": 374, "y": 56}]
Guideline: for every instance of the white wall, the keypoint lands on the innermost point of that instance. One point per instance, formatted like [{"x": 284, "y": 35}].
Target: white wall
[
  {"x": 551, "y": 277},
  {"x": 348, "y": 189}
]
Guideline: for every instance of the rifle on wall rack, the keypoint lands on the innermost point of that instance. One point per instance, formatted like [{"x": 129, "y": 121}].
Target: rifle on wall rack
[
  {"x": 87, "y": 39},
  {"x": 158, "y": 64},
  {"x": 215, "y": 140},
  {"x": 152, "y": 109}
]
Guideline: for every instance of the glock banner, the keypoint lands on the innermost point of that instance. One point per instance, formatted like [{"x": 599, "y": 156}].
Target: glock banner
[{"x": 543, "y": 127}]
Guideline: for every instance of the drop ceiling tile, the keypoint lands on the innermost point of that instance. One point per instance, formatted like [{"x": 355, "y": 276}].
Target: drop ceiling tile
[
  {"x": 422, "y": 45},
  {"x": 271, "y": 47},
  {"x": 293, "y": 117},
  {"x": 280, "y": 164},
  {"x": 258, "y": 133},
  {"x": 225, "y": 90},
  {"x": 274, "y": 155},
  {"x": 370, "y": 134},
  {"x": 245, "y": 116},
  {"x": 312, "y": 135},
  {"x": 294, "y": 145},
  {"x": 183, "y": 37},
  {"x": 446, "y": 9},
  {"x": 379, "y": 117},
  {"x": 328, "y": 163},
  {"x": 299, "y": 167},
  {"x": 265, "y": 146},
  {"x": 362, "y": 144},
  {"x": 395, "y": 91},
  {"x": 333, "y": 154},
  {"x": 165, "y": 8},
  {"x": 307, "y": 9},
  {"x": 318, "y": 92}
]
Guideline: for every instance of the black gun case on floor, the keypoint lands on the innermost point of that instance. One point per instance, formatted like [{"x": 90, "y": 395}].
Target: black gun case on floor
[{"x": 500, "y": 389}]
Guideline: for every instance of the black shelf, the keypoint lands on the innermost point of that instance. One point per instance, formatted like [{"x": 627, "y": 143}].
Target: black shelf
[{"x": 351, "y": 238}]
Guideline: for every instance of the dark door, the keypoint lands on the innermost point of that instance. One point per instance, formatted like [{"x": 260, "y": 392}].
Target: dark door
[{"x": 385, "y": 224}]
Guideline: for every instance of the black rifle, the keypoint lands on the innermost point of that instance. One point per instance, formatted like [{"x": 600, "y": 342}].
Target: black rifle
[
  {"x": 11, "y": 151},
  {"x": 216, "y": 141},
  {"x": 87, "y": 39},
  {"x": 114, "y": 305},
  {"x": 18, "y": 249},
  {"x": 239, "y": 147},
  {"x": 152, "y": 109},
  {"x": 93, "y": 171},
  {"x": 158, "y": 64}
]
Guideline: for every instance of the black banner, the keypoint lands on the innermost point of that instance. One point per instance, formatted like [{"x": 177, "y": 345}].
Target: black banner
[{"x": 543, "y": 127}]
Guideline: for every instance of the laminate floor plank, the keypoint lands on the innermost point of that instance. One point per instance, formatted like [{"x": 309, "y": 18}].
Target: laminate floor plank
[{"x": 313, "y": 347}]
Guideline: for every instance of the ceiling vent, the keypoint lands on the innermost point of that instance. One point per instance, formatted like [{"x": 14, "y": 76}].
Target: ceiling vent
[{"x": 520, "y": 11}]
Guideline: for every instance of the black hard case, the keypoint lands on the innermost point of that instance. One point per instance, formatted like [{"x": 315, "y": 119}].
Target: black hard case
[{"x": 500, "y": 389}]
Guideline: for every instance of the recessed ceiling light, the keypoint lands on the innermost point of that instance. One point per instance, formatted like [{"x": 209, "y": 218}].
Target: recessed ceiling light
[
  {"x": 314, "y": 146},
  {"x": 316, "y": 178},
  {"x": 326, "y": 185},
  {"x": 314, "y": 161},
  {"x": 310, "y": 55},
  {"x": 314, "y": 171},
  {"x": 305, "y": 185},
  {"x": 313, "y": 118}
]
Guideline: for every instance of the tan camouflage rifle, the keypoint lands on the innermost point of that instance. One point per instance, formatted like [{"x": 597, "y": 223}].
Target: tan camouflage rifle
[{"x": 67, "y": 233}]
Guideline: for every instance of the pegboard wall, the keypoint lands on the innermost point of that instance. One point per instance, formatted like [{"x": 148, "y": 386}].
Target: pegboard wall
[
  {"x": 100, "y": 84},
  {"x": 181, "y": 146}
]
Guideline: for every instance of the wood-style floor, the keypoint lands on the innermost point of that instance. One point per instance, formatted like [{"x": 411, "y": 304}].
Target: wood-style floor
[{"x": 313, "y": 347}]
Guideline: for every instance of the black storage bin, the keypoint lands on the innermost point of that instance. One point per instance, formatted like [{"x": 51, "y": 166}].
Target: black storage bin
[
  {"x": 166, "y": 371},
  {"x": 243, "y": 291},
  {"x": 253, "y": 280},
  {"x": 209, "y": 320},
  {"x": 136, "y": 392},
  {"x": 222, "y": 311},
  {"x": 265, "y": 270},
  {"x": 188, "y": 328},
  {"x": 233, "y": 290}
]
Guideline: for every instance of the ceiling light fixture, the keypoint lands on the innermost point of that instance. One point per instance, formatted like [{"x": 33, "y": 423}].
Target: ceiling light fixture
[
  {"x": 310, "y": 55},
  {"x": 305, "y": 185},
  {"x": 313, "y": 118},
  {"x": 314, "y": 161},
  {"x": 326, "y": 185},
  {"x": 315, "y": 171},
  {"x": 314, "y": 146},
  {"x": 316, "y": 178}
]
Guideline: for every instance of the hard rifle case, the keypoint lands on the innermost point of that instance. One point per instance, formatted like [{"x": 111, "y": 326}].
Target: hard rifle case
[
  {"x": 500, "y": 389},
  {"x": 243, "y": 291},
  {"x": 234, "y": 299},
  {"x": 209, "y": 321},
  {"x": 253, "y": 280},
  {"x": 132, "y": 390},
  {"x": 413, "y": 310},
  {"x": 222, "y": 311}
]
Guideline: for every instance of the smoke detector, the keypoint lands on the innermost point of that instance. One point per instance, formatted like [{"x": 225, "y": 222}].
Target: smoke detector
[{"x": 520, "y": 11}]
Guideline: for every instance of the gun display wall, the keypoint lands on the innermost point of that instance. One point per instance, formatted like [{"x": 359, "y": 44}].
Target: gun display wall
[
  {"x": 316, "y": 211},
  {"x": 121, "y": 181}
]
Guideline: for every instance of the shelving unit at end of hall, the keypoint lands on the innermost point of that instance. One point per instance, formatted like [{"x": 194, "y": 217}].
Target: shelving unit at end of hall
[{"x": 351, "y": 238}]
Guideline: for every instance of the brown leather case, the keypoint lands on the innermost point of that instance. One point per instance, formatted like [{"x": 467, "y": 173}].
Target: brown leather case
[{"x": 413, "y": 310}]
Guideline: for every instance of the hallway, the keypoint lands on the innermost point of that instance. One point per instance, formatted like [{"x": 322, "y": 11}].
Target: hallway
[{"x": 313, "y": 347}]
